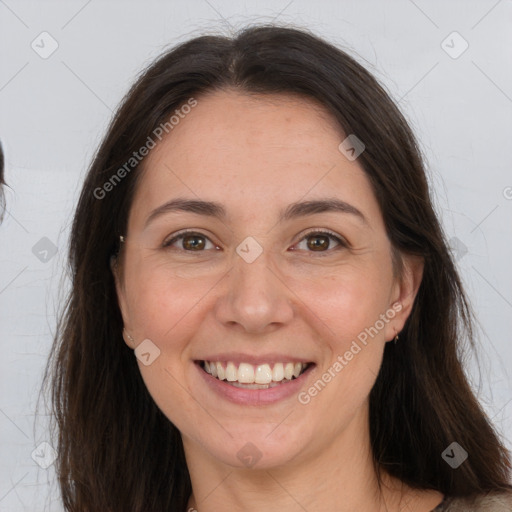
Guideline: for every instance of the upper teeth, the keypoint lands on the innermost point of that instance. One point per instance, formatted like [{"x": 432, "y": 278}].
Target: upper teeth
[{"x": 248, "y": 374}]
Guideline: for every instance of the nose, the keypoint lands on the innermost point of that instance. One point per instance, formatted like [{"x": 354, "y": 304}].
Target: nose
[{"x": 255, "y": 298}]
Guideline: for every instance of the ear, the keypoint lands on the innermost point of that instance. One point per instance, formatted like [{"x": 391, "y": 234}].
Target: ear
[
  {"x": 404, "y": 293},
  {"x": 121, "y": 298}
]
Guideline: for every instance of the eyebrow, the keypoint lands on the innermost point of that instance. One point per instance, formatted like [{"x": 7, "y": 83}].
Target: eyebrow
[
  {"x": 197, "y": 206},
  {"x": 292, "y": 211}
]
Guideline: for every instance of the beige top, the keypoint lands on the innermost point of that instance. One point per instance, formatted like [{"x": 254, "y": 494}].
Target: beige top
[{"x": 495, "y": 502}]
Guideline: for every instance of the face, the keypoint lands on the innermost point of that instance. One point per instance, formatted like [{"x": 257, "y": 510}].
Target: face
[{"x": 284, "y": 271}]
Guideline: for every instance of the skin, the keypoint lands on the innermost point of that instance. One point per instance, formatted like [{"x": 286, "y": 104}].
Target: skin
[{"x": 255, "y": 155}]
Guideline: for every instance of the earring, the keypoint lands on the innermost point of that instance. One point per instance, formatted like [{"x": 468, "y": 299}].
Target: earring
[
  {"x": 128, "y": 336},
  {"x": 395, "y": 339},
  {"x": 122, "y": 239}
]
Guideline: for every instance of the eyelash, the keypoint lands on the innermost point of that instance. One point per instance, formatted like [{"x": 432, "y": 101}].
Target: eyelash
[
  {"x": 180, "y": 236},
  {"x": 341, "y": 241}
]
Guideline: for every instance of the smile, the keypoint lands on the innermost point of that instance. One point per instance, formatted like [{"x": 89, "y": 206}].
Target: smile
[{"x": 249, "y": 376}]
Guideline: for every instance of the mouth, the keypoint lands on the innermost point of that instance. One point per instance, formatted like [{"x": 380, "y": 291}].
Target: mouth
[{"x": 254, "y": 376}]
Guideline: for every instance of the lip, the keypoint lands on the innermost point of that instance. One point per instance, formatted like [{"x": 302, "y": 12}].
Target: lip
[{"x": 243, "y": 396}]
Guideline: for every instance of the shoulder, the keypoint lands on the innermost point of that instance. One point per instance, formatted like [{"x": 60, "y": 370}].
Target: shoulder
[{"x": 492, "y": 502}]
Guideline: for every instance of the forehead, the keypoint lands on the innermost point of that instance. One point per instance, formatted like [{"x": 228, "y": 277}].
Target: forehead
[
  {"x": 248, "y": 148},
  {"x": 228, "y": 122}
]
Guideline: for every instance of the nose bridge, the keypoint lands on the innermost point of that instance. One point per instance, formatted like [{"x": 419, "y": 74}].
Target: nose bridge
[{"x": 255, "y": 296}]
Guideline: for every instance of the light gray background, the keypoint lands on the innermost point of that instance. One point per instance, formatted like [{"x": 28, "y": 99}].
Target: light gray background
[{"x": 54, "y": 111}]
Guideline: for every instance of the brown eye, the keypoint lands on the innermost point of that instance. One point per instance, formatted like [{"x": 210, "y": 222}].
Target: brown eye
[
  {"x": 321, "y": 241},
  {"x": 190, "y": 242},
  {"x": 193, "y": 242},
  {"x": 318, "y": 242}
]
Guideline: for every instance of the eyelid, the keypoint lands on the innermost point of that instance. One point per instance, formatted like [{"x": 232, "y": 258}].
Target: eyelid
[
  {"x": 324, "y": 231},
  {"x": 178, "y": 235},
  {"x": 317, "y": 231}
]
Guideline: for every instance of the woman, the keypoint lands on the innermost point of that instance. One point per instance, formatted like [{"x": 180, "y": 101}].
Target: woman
[{"x": 264, "y": 314}]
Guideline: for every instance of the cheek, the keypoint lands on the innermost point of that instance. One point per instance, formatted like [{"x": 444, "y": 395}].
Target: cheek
[
  {"x": 349, "y": 302},
  {"x": 161, "y": 303},
  {"x": 164, "y": 310},
  {"x": 350, "y": 307}
]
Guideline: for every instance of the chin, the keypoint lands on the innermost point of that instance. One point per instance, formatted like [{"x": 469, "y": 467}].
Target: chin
[{"x": 256, "y": 448}]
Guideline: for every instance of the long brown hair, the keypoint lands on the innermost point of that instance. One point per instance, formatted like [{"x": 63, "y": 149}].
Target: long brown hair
[{"x": 116, "y": 449}]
